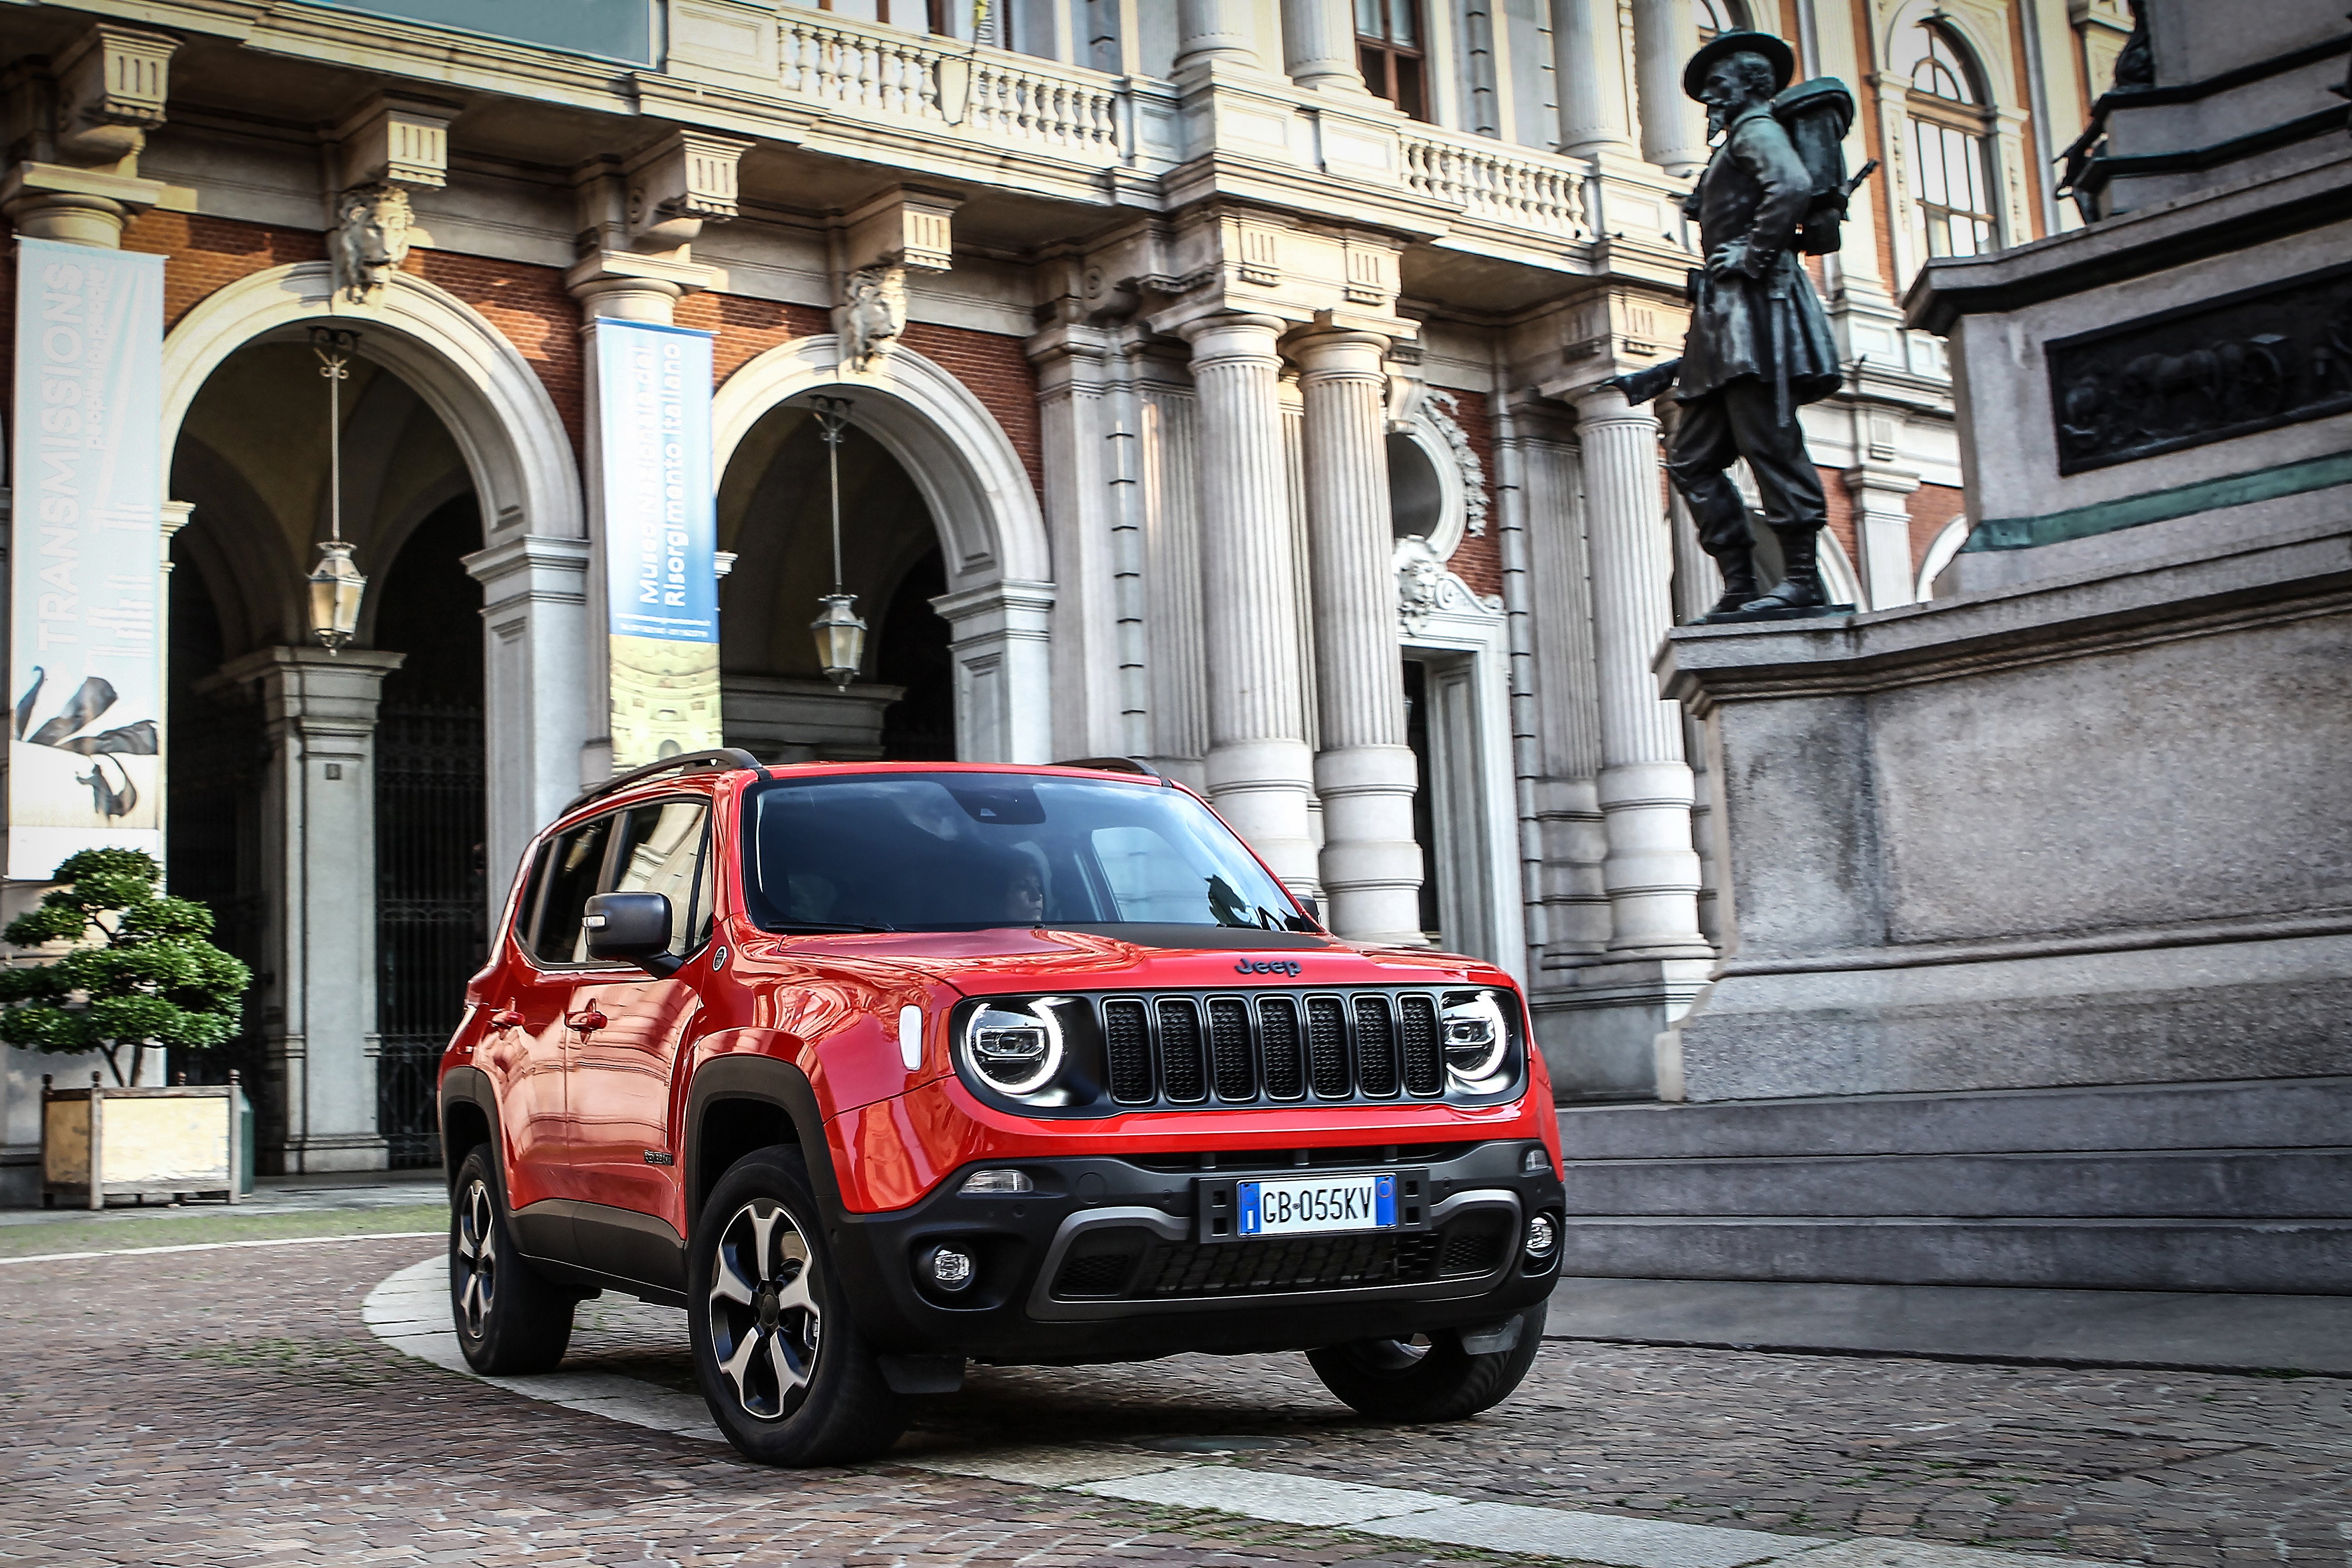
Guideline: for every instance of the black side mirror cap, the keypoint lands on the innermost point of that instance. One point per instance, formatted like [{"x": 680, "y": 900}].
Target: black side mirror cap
[
  {"x": 1314, "y": 909},
  {"x": 632, "y": 928}
]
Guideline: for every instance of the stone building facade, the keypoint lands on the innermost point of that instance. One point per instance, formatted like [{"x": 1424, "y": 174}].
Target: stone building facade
[{"x": 1226, "y": 384}]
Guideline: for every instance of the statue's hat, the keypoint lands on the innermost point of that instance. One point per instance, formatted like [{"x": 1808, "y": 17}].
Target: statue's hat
[{"x": 1783, "y": 62}]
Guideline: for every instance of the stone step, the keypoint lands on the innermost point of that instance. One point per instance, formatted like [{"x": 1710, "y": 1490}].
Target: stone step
[
  {"x": 2272, "y": 1184},
  {"x": 2294, "y": 1256},
  {"x": 2271, "y": 1114}
]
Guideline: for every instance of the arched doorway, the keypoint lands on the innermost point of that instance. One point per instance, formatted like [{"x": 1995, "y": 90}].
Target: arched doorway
[
  {"x": 986, "y": 577},
  {"x": 775, "y": 519},
  {"x": 273, "y": 747}
]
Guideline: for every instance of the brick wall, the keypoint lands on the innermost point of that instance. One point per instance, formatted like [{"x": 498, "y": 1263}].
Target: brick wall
[
  {"x": 746, "y": 329},
  {"x": 1841, "y": 510},
  {"x": 204, "y": 255},
  {"x": 999, "y": 374},
  {"x": 530, "y": 310},
  {"x": 1478, "y": 559},
  {"x": 1933, "y": 508}
]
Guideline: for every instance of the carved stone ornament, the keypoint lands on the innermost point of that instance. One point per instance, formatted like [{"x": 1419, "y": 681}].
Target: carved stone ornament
[
  {"x": 874, "y": 316},
  {"x": 370, "y": 239},
  {"x": 1425, "y": 589},
  {"x": 1441, "y": 408}
]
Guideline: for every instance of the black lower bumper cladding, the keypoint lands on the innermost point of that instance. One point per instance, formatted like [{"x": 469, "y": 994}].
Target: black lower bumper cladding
[{"x": 1119, "y": 1260}]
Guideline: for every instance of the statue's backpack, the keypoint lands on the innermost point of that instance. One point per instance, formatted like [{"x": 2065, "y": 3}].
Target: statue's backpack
[{"x": 1817, "y": 115}]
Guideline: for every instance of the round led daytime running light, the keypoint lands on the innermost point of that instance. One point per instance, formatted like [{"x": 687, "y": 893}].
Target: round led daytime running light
[
  {"x": 1477, "y": 1038},
  {"x": 1015, "y": 1049}
]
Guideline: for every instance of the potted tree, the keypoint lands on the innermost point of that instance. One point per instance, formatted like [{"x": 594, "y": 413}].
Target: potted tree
[{"x": 139, "y": 971}]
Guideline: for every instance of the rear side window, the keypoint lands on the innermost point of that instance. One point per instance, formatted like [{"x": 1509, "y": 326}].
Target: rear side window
[
  {"x": 574, "y": 864},
  {"x": 662, "y": 851}
]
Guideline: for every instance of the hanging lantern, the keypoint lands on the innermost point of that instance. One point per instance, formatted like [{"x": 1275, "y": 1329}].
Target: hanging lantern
[
  {"x": 840, "y": 634},
  {"x": 336, "y": 586},
  {"x": 840, "y": 638}
]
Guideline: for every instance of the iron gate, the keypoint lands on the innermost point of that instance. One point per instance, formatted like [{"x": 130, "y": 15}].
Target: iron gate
[{"x": 430, "y": 916}]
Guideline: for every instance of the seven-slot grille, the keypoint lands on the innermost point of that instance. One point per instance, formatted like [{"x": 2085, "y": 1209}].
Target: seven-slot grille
[{"x": 1255, "y": 1047}]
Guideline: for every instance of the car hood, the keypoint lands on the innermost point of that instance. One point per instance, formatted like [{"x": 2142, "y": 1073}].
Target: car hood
[{"x": 1143, "y": 957}]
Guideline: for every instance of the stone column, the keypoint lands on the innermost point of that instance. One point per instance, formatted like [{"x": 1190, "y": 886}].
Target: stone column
[
  {"x": 1588, "y": 62},
  {"x": 542, "y": 658},
  {"x": 318, "y": 1017},
  {"x": 1259, "y": 770},
  {"x": 1364, "y": 772},
  {"x": 1651, "y": 872},
  {"x": 1073, "y": 419},
  {"x": 1214, "y": 33},
  {"x": 1882, "y": 528},
  {"x": 1665, "y": 35},
  {"x": 1319, "y": 44}
]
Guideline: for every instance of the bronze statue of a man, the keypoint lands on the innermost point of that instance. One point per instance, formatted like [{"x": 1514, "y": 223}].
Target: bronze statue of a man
[{"x": 1759, "y": 343}]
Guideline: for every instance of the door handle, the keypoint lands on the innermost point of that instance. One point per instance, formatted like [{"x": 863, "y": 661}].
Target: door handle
[
  {"x": 589, "y": 1022},
  {"x": 506, "y": 1019}
]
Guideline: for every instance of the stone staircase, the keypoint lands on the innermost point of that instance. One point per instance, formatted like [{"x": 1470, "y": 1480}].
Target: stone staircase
[{"x": 2211, "y": 1186}]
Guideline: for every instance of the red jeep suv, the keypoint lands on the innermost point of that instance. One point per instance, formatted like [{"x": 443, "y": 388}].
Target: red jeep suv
[{"x": 877, "y": 1069}]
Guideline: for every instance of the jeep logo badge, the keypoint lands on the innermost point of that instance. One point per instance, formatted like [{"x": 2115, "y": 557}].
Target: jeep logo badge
[{"x": 1267, "y": 966}]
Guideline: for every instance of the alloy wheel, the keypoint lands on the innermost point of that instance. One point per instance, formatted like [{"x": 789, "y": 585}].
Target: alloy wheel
[
  {"x": 764, "y": 1319},
  {"x": 474, "y": 1263}
]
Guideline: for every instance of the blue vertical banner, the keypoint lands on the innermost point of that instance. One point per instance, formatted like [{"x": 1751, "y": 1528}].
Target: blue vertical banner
[
  {"x": 85, "y": 556},
  {"x": 660, "y": 524}
]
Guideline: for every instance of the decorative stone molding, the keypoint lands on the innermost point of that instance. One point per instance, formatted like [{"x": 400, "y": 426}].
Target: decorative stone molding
[
  {"x": 678, "y": 184},
  {"x": 371, "y": 237},
  {"x": 1426, "y": 590},
  {"x": 395, "y": 140},
  {"x": 1439, "y": 409},
  {"x": 905, "y": 226},
  {"x": 873, "y": 313},
  {"x": 112, "y": 85}
]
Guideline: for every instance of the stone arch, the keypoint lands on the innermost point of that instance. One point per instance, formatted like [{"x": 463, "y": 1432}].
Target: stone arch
[
  {"x": 533, "y": 565},
  {"x": 992, "y": 530}
]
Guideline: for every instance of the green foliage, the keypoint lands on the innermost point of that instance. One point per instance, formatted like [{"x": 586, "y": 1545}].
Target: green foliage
[{"x": 144, "y": 973}]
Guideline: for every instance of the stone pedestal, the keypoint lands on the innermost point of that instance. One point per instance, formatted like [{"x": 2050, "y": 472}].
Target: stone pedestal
[
  {"x": 1259, "y": 769},
  {"x": 318, "y": 992}
]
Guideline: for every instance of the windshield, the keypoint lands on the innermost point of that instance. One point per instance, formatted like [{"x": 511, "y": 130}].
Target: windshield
[{"x": 966, "y": 851}]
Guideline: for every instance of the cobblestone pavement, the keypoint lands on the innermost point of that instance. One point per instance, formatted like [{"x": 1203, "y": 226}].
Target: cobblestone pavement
[{"x": 229, "y": 1406}]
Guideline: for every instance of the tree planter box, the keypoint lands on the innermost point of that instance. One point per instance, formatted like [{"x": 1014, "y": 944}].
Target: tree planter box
[{"x": 99, "y": 1143}]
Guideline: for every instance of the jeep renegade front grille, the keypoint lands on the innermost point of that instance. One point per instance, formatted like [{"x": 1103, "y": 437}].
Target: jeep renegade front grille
[{"x": 1255, "y": 1047}]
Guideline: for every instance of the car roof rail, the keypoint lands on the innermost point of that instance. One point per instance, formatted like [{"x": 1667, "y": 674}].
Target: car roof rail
[
  {"x": 733, "y": 758},
  {"x": 1116, "y": 765}
]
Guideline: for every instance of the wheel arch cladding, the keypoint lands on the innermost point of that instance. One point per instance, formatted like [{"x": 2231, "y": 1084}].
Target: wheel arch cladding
[
  {"x": 740, "y": 1103},
  {"x": 469, "y": 1119}
]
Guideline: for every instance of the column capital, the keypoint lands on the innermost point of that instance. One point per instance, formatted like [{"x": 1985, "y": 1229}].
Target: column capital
[
  {"x": 310, "y": 683},
  {"x": 632, "y": 287},
  {"x": 1324, "y": 351},
  {"x": 1880, "y": 478},
  {"x": 1229, "y": 335},
  {"x": 1600, "y": 404}
]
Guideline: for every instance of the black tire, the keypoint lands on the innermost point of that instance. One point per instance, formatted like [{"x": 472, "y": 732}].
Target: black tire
[
  {"x": 510, "y": 1318},
  {"x": 786, "y": 1373},
  {"x": 1390, "y": 1380}
]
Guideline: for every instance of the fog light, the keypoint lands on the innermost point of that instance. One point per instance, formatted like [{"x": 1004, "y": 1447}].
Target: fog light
[
  {"x": 1534, "y": 1162},
  {"x": 1543, "y": 1235},
  {"x": 998, "y": 1181},
  {"x": 949, "y": 1269}
]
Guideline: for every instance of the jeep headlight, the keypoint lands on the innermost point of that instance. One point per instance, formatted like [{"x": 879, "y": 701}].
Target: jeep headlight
[
  {"x": 1014, "y": 1047},
  {"x": 1477, "y": 1039}
]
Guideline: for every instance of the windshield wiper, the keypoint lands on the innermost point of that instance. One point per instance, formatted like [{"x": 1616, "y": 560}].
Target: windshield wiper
[{"x": 825, "y": 926}]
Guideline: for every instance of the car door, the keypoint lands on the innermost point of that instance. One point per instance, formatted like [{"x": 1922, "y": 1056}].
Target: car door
[
  {"x": 534, "y": 1046},
  {"x": 628, "y": 1030}
]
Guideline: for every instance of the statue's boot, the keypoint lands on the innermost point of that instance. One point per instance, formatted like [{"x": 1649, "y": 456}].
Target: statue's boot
[
  {"x": 1738, "y": 567},
  {"x": 1800, "y": 587}
]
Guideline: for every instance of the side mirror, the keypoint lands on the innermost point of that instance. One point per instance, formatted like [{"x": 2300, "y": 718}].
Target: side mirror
[
  {"x": 632, "y": 928},
  {"x": 1313, "y": 906}
]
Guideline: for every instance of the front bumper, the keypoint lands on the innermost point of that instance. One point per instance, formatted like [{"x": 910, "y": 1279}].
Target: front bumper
[{"x": 1110, "y": 1259}]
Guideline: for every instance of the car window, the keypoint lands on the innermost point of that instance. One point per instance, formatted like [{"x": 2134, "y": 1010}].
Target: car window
[
  {"x": 575, "y": 864},
  {"x": 661, "y": 851},
  {"x": 968, "y": 850}
]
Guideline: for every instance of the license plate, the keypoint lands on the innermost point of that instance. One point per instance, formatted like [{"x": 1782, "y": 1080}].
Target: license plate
[{"x": 1319, "y": 1205}]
